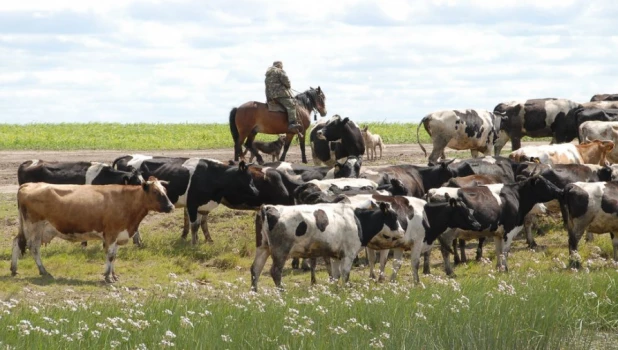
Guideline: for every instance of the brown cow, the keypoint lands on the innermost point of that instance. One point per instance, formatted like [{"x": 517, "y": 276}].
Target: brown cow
[{"x": 84, "y": 212}]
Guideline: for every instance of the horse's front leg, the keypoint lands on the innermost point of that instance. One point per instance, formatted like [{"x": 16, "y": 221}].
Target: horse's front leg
[{"x": 286, "y": 146}]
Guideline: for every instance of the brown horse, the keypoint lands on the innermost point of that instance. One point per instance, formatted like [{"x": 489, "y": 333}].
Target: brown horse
[{"x": 254, "y": 117}]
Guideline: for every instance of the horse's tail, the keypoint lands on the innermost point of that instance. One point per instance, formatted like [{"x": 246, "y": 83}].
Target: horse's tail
[
  {"x": 233, "y": 128},
  {"x": 424, "y": 122}
]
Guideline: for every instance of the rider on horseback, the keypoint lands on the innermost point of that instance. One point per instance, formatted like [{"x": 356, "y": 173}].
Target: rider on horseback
[{"x": 278, "y": 89}]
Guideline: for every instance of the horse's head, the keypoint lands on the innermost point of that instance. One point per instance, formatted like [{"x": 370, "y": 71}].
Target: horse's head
[{"x": 320, "y": 101}]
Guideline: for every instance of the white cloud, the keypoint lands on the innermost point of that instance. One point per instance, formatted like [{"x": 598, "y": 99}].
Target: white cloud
[{"x": 392, "y": 60}]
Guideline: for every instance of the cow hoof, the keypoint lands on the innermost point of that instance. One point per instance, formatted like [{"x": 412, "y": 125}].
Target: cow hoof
[
  {"x": 452, "y": 275},
  {"x": 533, "y": 245},
  {"x": 109, "y": 279},
  {"x": 13, "y": 273},
  {"x": 381, "y": 279}
]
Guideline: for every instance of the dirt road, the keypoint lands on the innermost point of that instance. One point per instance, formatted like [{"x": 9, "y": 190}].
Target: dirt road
[{"x": 10, "y": 160}]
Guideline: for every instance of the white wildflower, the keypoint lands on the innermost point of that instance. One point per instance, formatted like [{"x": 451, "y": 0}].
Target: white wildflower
[
  {"x": 186, "y": 322},
  {"x": 590, "y": 295},
  {"x": 226, "y": 338},
  {"x": 376, "y": 343},
  {"x": 169, "y": 335},
  {"x": 114, "y": 343}
]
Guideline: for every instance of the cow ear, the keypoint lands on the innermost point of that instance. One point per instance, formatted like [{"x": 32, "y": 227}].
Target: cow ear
[
  {"x": 242, "y": 166},
  {"x": 230, "y": 162},
  {"x": 447, "y": 196},
  {"x": 126, "y": 179},
  {"x": 452, "y": 202},
  {"x": 345, "y": 120},
  {"x": 384, "y": 207},
  {"x": 319, "y": 88},
  {"x": 337, "y": 166},
  {"x": 146, "y": 186}
]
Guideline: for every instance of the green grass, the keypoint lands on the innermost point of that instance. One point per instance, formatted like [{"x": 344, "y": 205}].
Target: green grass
[
  {"x": 201, "y": 295},
  {"x": 114, "y": 136}
]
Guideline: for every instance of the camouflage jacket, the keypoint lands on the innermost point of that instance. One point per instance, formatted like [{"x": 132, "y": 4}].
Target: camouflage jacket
[{"x": 277, "y": 84}]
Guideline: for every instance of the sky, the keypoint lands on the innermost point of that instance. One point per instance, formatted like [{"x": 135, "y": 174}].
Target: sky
[{"x": 191, "y": 61}]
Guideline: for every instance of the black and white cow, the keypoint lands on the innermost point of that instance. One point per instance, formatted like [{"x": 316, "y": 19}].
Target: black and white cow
[
  {"x": 198, "y": 184},
  {"x": 416, "y": 180},
  {"x": 335, "y": 139},
  {"x": 500, "y": 209},
  {"x": 591, "y": 206},
  {"x": 413, "y": 209},
  {"x": 471, "y": 129},
  {"x": 327, "y": 190},
  {"x": 534, "y": 118},
  {"x": 566, "y": 128},
  {"x": 336, "y": 231},
  {"x": 495, "y": 166},
  {"x": 77, "y": 173},
  {"x": 350, "y": 167},
  {"x": 604, "y": 97}
]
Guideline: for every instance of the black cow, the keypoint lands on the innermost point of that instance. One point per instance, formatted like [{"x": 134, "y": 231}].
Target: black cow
[
  {"x": 198, "y": 184},
  {"x": 501, "y": 206},
  {"x": 566, "y": 128},
  {"x": 344, "y": 136},
  {"x": 534, "y": 118},
  {"x": 604, "y": 97}
]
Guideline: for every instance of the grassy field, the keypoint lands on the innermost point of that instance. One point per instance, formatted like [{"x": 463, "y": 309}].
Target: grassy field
[
  {"x": 172, "y": 294},
  {"x": 114, "y": 136},
  {"x": 152, "y": 136},
  {"x": 175, "y": 294}
]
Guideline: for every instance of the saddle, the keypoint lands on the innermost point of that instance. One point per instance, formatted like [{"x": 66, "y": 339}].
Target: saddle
[{"x": 274, "y": 106}]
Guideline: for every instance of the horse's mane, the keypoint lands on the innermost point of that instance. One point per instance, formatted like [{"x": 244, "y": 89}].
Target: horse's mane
[{"x": 308, "y": 99}]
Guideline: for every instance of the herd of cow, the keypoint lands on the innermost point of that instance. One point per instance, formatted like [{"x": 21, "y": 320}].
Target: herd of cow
[{"x": 336, "y": 210}]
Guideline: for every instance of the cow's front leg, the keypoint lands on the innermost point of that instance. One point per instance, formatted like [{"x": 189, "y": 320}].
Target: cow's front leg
[{"x": 194, "y": 220}]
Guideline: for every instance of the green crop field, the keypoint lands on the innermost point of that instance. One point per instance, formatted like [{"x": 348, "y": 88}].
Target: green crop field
[{"x": 114, "y": 136}]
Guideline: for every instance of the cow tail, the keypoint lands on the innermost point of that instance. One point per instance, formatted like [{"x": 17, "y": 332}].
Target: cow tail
[
  {"x": 564, "y": 208},
  {"x": 424, "y": 121},
  {"x": 259, "y": 223},
  {"x": 233, "y": 127},
  {"x": 21, "y": 236},
  {"x": 261, "y": 227}
]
